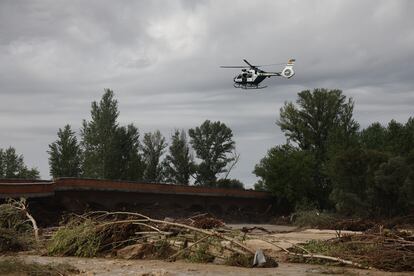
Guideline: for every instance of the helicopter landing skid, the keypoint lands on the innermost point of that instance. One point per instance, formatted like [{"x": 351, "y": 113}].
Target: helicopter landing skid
[{"x": 248, "y": 86}]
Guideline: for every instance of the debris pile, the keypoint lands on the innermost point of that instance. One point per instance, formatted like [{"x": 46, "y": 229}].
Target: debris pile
[
  {"x": 389, "y": 250},
  {"x": 354, "y": 224},
  {"x": 203, "y": 221},
  {"x": 136, "y": 236}
]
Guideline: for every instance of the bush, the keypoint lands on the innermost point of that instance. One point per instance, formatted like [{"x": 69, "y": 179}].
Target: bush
[{"x": 315, "y": 219}]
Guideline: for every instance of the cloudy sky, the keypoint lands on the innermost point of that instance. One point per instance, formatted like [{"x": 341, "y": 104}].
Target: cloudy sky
[{"x": 162, "y": 60}]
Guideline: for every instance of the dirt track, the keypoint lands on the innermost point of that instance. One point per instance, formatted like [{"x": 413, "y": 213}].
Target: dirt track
[{"x": 115, "y": 267}]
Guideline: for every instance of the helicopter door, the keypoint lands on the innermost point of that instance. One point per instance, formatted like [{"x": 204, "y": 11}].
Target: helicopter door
[{"x": 249, "y": 77}]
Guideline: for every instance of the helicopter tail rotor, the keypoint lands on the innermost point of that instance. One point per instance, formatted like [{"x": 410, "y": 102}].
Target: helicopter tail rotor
[{"x": 288, "y": 71}]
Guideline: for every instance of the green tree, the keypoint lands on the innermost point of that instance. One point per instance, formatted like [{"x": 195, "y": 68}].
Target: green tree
[
  {"x": 400, "y": 137},
  {"x": 322, "y": 124},
  {"x": 179, "y": 162},
  {"x": 287, "y": 172},
  {"x": 65, "y": 154},
  {"x": 317, "y": 114},
  {"x": 12, "y": 165},
  {"x": 407, "y": 191},
  {"x": 352, "y": 174},
  {"x": 127, "y": 163},
  {"x": 153, "y": 148},
  {"x": 98, "y": 137},
  {"x": 374, "y": 137},
  {"x": 396, "y": 138},
  {"x": 213, "y": 144},
  {"x": 387, "y": 196},
  {"x": 229, "y": 183}
]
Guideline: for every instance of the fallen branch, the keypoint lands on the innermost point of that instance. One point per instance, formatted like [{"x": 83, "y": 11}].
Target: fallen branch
[
  {"x": 318, "y": 256},
  {"x": 172, "y": 257}
]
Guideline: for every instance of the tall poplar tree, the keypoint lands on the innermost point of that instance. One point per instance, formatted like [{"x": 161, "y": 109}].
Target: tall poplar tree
[
  {"x": 179, "y": 162},
  {"x": 65, "y": 154},
  {"x": 98, "y": 137},
  {"x": 153, "y": 148}
]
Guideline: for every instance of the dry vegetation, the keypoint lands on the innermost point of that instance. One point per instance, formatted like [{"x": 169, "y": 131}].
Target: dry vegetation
[
  {"x": 377, "y": 248},
  {"x": 133, "y": 235},
  {"x": 200, "y": 239}
]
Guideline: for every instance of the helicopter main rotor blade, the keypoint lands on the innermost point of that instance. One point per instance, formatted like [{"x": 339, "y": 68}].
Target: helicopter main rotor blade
[
  {"x": 234, "y": 66},
  {"x": 261, "y": 65},
  {"x": 252, "y": 66}
]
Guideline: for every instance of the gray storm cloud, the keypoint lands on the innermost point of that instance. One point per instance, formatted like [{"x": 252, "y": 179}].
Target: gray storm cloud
[{"x": 162, "y": 60}]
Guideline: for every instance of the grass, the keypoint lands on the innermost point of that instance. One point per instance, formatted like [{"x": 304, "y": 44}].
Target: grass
[{"x": 12, "y": 266}]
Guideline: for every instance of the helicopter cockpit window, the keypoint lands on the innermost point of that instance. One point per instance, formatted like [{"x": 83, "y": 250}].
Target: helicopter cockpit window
[
  {"x": 249, "y": 75},
  {"x": 239, "y": 76}
]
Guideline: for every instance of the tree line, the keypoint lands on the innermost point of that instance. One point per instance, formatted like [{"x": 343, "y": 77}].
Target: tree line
[
  {"x": 108, "y": 150},
  {"x": 328, "y": 162},
  {"x": 12, "y": 165}
]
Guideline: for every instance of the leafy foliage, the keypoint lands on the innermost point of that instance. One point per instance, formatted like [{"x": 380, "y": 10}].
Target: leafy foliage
[
  {"x": 330, "y": 164},
  {"x": 179, "y": 162},
  {"x": 65, "y": 154},
  {"x": 396, "y": 138},
  {"x": 229, "y": 183},
  {"x": 153, "y": 148},
  {"x": 110, "y": 151},
  {"x": 392, "y": 180},
  {"x": 127, "y": 162},
  {"x": 352, "y": 173},
  {"x": 287, "y": 172},
  {"x": 321, "y": 118},
  {"x": 12, "y": 165},
  {"x": 318, "y": 113},
  {"x": 212, "y": 142}
]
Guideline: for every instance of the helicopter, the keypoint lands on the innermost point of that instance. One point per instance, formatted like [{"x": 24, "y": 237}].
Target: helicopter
[{"x": 251, "y": 76}]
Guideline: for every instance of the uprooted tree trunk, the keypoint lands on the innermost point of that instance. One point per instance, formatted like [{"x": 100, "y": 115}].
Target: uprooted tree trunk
[{"x": 21, "y": 205}]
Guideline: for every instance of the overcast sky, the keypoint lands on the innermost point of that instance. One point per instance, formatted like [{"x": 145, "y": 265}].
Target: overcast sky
[{"x": 162, "y": 60}]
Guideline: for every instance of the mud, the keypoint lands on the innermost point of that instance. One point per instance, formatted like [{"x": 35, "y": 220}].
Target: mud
[{"x": 285, "y": 235}]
